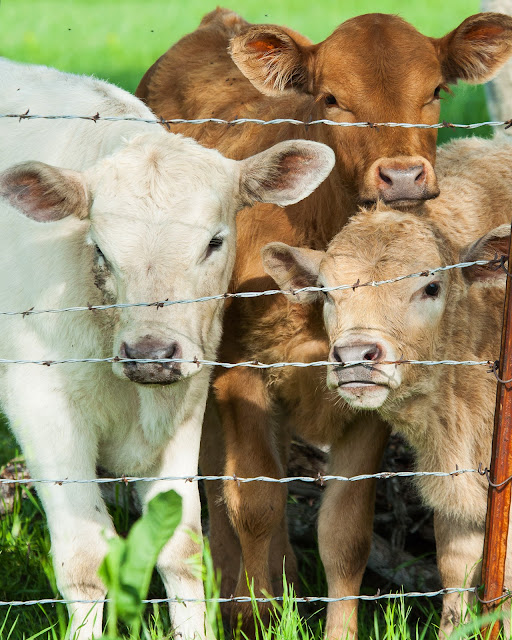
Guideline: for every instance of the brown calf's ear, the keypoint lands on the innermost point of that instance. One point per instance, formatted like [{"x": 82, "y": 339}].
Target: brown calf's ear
[
  {"x": 285, "y": 173},
  {"x": 45, "y": 193},
  {"x": 271, "y": 59},
  {"x": 494, "y": 244},
  {"x": 293, "y": 268},
  {"x": 476, "y": 49}
]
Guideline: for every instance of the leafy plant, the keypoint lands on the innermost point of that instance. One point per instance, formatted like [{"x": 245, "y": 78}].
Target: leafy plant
[{"x": 128, "y": 565}]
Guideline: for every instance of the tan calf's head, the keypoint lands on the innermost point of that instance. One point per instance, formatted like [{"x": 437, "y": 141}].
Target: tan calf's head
[
  {"x": 377, "y": 68},
  {"x": 156, "y": 221},
  {"x": 409, "y": 319}
]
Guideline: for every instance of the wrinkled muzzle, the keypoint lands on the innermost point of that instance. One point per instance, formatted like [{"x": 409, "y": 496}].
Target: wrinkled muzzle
[
  {"x": 366, "y": 385},
  {"x": 156, "y": 348},
  {"x": 403, "y": 181}
]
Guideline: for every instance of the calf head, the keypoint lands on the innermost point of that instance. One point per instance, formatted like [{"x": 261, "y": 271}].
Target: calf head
[
  {"x": 158, "y": 223},
  {"x": 377, "y": 68},
  {"x": 411, "y": 319}
]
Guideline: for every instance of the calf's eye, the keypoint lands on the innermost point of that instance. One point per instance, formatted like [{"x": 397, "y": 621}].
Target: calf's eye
[
  {"x": 437, "y": 92},
  {"x": 99, "y": 257},
  {"x": 214, "y": 244},
  {"x": 432, "y": 289},
  {"x": 330, "y": 100}
]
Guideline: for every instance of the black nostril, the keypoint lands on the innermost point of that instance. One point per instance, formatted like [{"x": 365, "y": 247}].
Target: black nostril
[
  {"x": 385, "y": 178},
  {"x": 336, "y": 355},
  {"x": 172, "y": 351},
  {"x": 421, "y": 174},
  {"x": 372, "y": 353},
  {"x": 126, "y": 351}
]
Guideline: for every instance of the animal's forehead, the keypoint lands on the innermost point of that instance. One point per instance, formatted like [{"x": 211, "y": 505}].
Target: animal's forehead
[
  {"x": 150, "y": 178},
  {"x": 378, "y": 45},
  {"x": 382, "y": 245}
]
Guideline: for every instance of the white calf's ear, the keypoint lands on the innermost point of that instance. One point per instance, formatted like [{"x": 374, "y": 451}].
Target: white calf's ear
[
  {"x": 494, "y": 244},
  {"x": 45, "y": 193},
  {"x": 293, "y": 268},
  {"x": 285, "y": 173}
]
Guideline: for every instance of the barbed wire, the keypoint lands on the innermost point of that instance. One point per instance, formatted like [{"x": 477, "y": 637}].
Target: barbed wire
[
  {"x": 306, "y": 599},
  {"x": 318, "y": 479},
  {"x": 255, "y": 364},
  {"x": 497, "y": 262},
  {"x": 237, "y": 121}
]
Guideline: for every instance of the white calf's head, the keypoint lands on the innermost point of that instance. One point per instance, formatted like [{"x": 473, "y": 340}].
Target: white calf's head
[
  {"x": 411, "y": 319},
  {"x": 159, "y": 217}
]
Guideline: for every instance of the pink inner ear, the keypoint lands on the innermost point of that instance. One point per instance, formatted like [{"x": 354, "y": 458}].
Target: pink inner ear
[{"x": 31, "y": 194}]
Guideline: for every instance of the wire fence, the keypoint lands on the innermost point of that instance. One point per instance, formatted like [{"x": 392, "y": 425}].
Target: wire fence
[
  {"x": 497, "y": 262},
  {"x": 239, "y": 121}
]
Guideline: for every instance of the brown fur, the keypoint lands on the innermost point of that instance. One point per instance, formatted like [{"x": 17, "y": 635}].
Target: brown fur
[{"x": 378, "y": 68}]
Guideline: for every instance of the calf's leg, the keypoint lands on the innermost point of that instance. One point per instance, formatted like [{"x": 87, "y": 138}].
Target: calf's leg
[
  {"x": 58, "y": 443},
  {"x": 182, "y": 576},
  {"x": 459, "y": 548},
  {"x": 346, "y": 519},
  {"x": 256, "y": 509}
]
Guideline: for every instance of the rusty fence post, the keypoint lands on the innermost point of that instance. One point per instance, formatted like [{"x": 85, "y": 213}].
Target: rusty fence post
[{"x": 498, "y": 498}]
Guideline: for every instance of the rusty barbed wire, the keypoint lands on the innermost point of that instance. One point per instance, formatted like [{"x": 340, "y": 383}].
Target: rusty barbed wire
[
  {"x": 276, "y": 121},
  {"x": 495, "y": 262}
]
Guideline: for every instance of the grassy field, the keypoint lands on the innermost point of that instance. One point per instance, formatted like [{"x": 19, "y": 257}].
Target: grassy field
[{"x": 118, "y": 41}]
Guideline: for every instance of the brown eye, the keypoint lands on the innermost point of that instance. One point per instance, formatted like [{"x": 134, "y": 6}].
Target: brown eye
[
  {"x": 437, "y": 92},
  {"x": 432, "y": 289},
  {"x": 330, "y": 100}
]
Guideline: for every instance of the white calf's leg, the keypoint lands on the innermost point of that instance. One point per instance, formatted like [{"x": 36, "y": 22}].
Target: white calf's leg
[
  {"x": 57, "y": 445},
  {"x": 181, "y": 576}
]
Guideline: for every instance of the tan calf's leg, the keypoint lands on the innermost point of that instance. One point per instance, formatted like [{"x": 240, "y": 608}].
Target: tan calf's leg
[
  {"x": 346, "y": 519},
  {"x": 224, "y": 544},
  {"x": 256, "y": 509},
  {"x": 459, "y": 554}
]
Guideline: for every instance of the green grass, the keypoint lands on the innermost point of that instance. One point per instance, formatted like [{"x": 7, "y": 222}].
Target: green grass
[{"x": 118, "y": 41}]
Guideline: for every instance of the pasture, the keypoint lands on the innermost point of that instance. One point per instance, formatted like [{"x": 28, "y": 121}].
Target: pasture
[{"x": 117, "y": 41}]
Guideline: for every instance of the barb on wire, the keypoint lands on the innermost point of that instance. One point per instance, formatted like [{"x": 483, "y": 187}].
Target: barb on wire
[
  {"x": 251, "y": 364},
  {"x": 318, "y": 479},
  {"x": 378, "y": 596},
  {"x": 275, "y": 121},
  {"x": 255, "y": 294}
]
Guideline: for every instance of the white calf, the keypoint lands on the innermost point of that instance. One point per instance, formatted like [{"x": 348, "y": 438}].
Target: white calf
[{"x": 136, "y": 215}]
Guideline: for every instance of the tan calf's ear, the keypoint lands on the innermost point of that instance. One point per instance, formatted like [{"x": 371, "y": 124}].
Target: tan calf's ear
[
  {"x": 285, "y": 173},
  {"x": 45, "y": 193},
  {"x": 476, "y": 49},
  {"x": 273, "y": 60},
  {"x": 494, "y": 244},
  {"x": 293, "y": 268}
]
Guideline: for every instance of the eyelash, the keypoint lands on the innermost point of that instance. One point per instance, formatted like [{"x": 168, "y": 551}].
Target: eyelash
[{"x": 215, "y": 243}]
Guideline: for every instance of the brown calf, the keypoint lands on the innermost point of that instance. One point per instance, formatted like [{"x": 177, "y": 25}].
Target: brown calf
[
  {"x": 372, "y": 68},
  {"x": 446, "y": 413}
]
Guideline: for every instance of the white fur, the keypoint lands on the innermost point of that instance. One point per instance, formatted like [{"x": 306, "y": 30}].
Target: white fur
[{"x": 157, "y": 200}]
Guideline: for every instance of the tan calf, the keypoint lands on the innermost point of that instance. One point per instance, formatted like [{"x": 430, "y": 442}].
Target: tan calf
[
  {"x": 372, "y": 68},
  {"x": 446, "y": 413}
]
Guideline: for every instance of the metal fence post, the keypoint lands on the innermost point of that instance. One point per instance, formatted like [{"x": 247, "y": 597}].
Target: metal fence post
[{"x": 498, "y": 498}]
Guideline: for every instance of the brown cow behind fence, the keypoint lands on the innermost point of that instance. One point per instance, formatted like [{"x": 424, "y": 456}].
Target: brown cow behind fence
[
  {"x": 445, "y": 412},
  {"x": 372, "y": 68}
]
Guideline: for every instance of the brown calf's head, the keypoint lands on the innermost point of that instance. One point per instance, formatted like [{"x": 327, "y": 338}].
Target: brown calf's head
[
  {"x": 377, "y": 68},
  {"x": 415, "y": 319}
]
